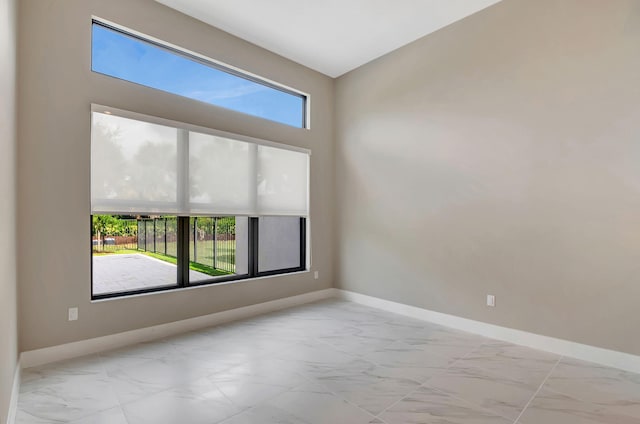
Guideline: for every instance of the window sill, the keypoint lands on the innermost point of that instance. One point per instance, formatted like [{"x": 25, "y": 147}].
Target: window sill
[{"x": 199, "y": 286}]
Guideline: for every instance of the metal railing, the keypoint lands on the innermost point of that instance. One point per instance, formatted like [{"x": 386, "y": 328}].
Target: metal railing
[
  {"x": 122, "y": 236},
  {"x": 158, "y": 235},
  {"x": 212, "y": 241}
]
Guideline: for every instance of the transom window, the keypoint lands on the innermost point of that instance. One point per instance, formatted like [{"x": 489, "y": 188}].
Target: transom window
[{"x": 131, "y": 57}]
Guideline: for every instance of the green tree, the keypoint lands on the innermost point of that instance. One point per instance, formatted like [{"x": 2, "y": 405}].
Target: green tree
[{"x": 104, "y": 225}]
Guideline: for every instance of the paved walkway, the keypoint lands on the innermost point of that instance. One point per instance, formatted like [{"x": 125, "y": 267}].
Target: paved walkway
[{"x": 117, "y": 273}]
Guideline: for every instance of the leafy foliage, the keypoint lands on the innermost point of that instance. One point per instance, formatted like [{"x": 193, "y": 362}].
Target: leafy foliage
[
  {"x": 114, "y": 225},
  {"x": 111, "y": 225},
  {"x": 226, "y": 224}
]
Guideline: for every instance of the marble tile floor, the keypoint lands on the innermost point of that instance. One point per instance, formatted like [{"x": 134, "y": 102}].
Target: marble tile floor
[{"x": 329, "y": 362}]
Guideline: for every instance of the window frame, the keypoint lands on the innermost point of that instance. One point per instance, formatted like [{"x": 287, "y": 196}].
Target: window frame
[
  {"x": 207, "y": 61},
  {"x": 183, "y": 257},
  {"x": 183, "y": 241}
]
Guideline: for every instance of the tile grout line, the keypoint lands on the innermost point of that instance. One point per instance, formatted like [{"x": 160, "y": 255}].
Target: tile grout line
[
  {"x": 212, "y": 374},
  {"x": 103, "y": 370},
  {"x": 177, "y": 386},
  {"x": 538, "y": 391},
  {"x": 571, "y": 396},
  {"x": 484, "y": 343},
  {"x": 264, "y": 401},
  {"x": 451, "y": 365},
  {"x": 493, "y": 372},
  {"x": 103, "y": 365},
  {"x": 468, "y": 402},
  {"x": 496, "y": 372},
  {"x": 348, "y": 401},
  {"x": 310, "y": 379},
  {"x": 315, "y": 381},
  {"x": 421, "y": 385},
  {"x": 425, "y": 382}
]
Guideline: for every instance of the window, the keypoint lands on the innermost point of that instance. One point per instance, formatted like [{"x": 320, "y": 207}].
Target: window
[
  {"x": 121, "y": 54},
  {"x": 133, "y": 254},
  {"x": 173, "y": 205},
  {"x": 218, "y": 247},
  {"x": 280, "y": 243}
]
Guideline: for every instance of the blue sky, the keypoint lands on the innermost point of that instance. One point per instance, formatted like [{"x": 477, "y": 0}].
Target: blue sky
[{"x": 130, "y": 59}]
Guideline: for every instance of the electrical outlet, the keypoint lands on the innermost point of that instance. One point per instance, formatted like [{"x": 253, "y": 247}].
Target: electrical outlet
[
  {"x": 491, "y": 300},
  {"x": 73, "y": 314},
  {"x": 316, "y": 275}
]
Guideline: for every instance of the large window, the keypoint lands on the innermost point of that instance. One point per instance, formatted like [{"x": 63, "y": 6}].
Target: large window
[
  {"x": 173, "y": 205},
  {"x": 122, "y": 54}
]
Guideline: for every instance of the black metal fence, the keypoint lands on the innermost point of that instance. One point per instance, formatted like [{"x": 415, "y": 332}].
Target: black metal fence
[
  {"x": 120, "y": 235},
  {"x": 158, "y": 235},
  {"x": 212, "y": 240}
]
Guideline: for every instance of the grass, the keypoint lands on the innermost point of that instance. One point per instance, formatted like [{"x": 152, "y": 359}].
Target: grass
[
  {"x": 194, "y": 266},
  {"x": 115, "y": 252},
  {"x": 225, "y": 252}
]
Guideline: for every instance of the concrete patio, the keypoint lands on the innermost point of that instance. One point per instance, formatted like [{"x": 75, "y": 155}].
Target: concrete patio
[{"x": 118, "y": 273}]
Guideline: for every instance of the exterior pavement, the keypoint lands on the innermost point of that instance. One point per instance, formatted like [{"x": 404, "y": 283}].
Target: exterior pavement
[{"x": 117, "y": 273}]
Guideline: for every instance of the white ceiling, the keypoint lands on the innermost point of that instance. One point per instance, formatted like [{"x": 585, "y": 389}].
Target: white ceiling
[{"x": 330, "y": 36}]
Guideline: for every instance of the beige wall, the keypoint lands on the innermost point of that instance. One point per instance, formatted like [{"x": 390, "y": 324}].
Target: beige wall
[
  {"x": 56, "y": 90},
  {"x": 498, "y": 155},
  {"x": 501, "y": 155},
  {"x": 8, "y": 316}
]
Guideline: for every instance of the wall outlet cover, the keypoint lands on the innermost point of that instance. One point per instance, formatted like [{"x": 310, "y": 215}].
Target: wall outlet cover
[{"x": 73, "y": 314}]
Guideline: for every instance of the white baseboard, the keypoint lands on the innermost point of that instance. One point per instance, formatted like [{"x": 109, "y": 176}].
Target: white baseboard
[
  {"x": 47, "y": 355},
  {"x": 15, "y": 392},
  {"x": 594, "y": 354}
]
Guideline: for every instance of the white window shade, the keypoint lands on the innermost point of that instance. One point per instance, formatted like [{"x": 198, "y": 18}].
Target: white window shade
[
  {"x": 133, "y": 166},
  {"x": 282, "y": 182},
  {"x": 147, "y": 165},
  {"x": 221, "y": 175}
]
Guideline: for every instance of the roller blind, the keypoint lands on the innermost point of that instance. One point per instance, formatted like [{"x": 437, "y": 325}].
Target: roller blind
[
  {"x": 133, "y": 166},
  {"x": 139, "y": 165},
  {"x": 282, "y": 182},
  {"x": 221, "y": 175}
]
